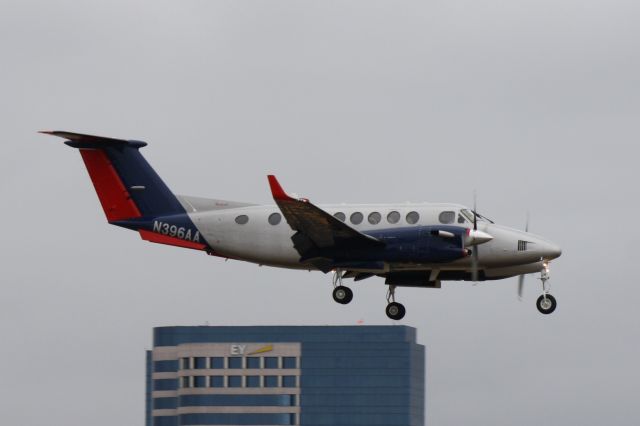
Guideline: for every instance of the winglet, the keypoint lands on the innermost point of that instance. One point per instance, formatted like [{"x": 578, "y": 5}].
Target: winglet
[{"x": 276, "y": 190}]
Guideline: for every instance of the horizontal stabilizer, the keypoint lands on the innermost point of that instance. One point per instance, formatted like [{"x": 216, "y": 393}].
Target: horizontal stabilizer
[{"x": 79, "y": 139}]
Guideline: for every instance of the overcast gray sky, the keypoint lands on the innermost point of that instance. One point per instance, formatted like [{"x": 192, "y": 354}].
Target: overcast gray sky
[{"x": 534, "y": 103}]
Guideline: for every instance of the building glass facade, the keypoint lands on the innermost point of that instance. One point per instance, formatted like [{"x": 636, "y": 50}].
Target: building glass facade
[{"x": 291, "y": 375}]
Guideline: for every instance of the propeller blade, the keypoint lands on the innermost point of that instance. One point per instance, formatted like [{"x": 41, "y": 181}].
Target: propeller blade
[
  {"x": 521, "y": 277},
  {"x": 474, "y": 256},
  {"x": 474, "y": 264},
  {"x": 475, "y": 208},
  {"x": 520, "y": 286}
]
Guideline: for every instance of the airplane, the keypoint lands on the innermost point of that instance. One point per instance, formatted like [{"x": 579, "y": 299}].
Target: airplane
[{"x": 409, "y": 245}]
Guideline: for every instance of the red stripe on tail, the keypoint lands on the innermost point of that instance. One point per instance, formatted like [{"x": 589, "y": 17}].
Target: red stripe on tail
[{"x": 114, "y": 197}]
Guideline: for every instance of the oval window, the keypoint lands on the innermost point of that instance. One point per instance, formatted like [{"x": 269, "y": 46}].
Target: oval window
[
  {"x": 447, "y": 217},
  {"x": 242, "y": 219},
  {"x": 340, "y": 216},
  {"x": 374, "y": 218},
  {"x": 393, "y": 217},
  {"x": 275, "y": 218},
  {"x": 356, "y": 218},
  {"x": 413, "y": 218}
]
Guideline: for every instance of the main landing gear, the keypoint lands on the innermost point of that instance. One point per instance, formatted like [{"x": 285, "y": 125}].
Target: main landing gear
[
  {"x": 394, "y": 310},
  {"x": 341, "y": 294},
  {"x": 546, "y": 303},
  {"x": 344, "y": 295}
]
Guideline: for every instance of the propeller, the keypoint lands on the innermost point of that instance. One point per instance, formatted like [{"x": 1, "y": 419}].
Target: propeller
[
  {"x": 474, "y": 238},
  {"x": 521, "y": 277}
]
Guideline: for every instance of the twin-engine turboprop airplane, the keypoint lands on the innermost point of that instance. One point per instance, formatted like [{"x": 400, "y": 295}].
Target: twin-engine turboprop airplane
[{"x": 412, "y": 245}]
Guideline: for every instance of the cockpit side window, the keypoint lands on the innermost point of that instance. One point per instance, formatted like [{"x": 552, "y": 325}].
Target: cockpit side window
[
  {"x": 447, "y": 217},
  {"x": 467, "y": 214},
  {"x": 461, "y": 219}
]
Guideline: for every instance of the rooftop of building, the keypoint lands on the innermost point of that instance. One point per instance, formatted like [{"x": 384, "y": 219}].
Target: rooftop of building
[{"x": 176, "y": 335}]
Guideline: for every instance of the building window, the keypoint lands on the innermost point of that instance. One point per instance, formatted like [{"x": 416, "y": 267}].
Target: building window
[
  {"x": 270, "y": 381},
  {"x": 393, "y": 217},
  {"x": 340, "y": 216},
  {"x": 165, "y": 366},
  {"x": 200, "y": 382},
  {"x": 412, "y": 218},
  {"x": 233, "y": 419},
  {"x": 253, "y": 381},
  {"x": 374, "y": 218},
  {"x": 356, "y": 218},
  {"x": 216, "y": 381},
  {"x": 216, "y": 362},
  {"x": 200, "y": 363},
  {"x": 242, "y": 219},
  {"x": 447, "y": 217},
  {"x": 289, "y": 362},
  {"x": 275, "y": 218},
  {"x": 234, "y": 381},
  {"x": 253, "y": 362},
  {"x": 186, "y": 363},
  {"x": 289, "y": 381},
  {"x": 165, "y": 384},
  {"x": 186, "y": 382},
  {"x": 253, "y": 399},
  {"x": 271, "y": 362},
  {"x": 167, "y": 403},
  {"x": 235, "y": 362}
]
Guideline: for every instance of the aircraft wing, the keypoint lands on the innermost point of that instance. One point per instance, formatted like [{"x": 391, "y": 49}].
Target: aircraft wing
[{"x": 318, "y": 233}]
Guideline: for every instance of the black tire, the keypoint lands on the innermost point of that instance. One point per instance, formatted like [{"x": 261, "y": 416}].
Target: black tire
[
  {"x": 546, "y": 306},
  {"x": 342, "y": 294},
  {"x": 395, "y": 311}
]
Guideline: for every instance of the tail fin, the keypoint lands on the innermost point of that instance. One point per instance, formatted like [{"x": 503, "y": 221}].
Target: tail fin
[{"x": 126, "y": 184}]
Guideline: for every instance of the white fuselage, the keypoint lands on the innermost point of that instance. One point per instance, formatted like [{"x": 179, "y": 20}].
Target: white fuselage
[{"x": 246, "y": 233}]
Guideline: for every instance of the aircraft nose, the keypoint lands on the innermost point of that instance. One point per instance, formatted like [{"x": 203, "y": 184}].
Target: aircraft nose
[{"x": 551, "y": 251}]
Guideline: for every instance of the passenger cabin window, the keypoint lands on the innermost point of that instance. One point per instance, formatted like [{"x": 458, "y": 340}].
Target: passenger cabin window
[
  {"x": 356, "y": 218},
  {"x": 412, "y": 218},
  {"x": 275, "y": 218},
  {"x": 393, "y": 217},
  {"x": 242, "y": 219},
  {"x": 447, "y": 217},
  {"x": 374, "y": 218},
  {"x": 340, "y": 216}
]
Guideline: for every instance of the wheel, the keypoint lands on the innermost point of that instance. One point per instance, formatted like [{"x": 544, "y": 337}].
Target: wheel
[
  {"x": 395, "y": 311},
  {"x": 546, "y": 304},
  {"x": 342, "y": 294}
]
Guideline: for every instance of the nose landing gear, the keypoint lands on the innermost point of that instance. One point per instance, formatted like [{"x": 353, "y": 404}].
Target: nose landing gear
[
  {"x": 394, "y": 310},
  {"x": 341, "y": 294},
  {"x": 546, "y": 303}
]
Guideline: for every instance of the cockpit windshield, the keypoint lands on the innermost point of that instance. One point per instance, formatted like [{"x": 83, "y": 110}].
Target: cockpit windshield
[{"x": 468, "y": 214}]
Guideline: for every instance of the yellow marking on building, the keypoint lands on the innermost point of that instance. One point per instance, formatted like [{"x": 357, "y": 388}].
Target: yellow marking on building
[{"x": 267, "y": 348}]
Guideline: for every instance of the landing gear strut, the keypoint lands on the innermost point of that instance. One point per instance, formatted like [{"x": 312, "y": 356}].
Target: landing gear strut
[
  {"x": 341, "y": 294},
  {"x": 394, "y": 310},
  {"x": 546, "y": 303}
]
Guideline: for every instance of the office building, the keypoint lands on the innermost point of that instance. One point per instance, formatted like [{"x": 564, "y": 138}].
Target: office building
[{"x": 285, "y": 375}]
